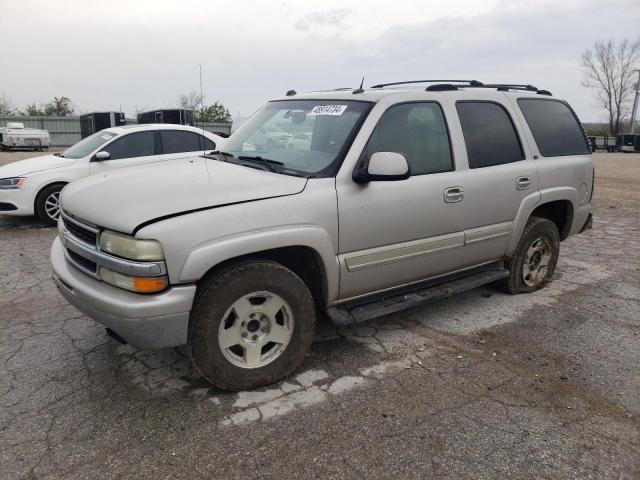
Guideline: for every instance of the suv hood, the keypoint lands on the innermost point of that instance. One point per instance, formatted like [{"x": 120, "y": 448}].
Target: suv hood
[
  {"x": 32, "y": 165},
  {"x": 125, "y": 198}
]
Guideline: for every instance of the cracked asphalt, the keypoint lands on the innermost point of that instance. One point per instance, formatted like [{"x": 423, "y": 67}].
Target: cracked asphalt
[{"x": 483, "y": 385}]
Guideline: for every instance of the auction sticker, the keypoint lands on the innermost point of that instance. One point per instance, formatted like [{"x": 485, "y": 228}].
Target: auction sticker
[{"x": 328, "y": 110}]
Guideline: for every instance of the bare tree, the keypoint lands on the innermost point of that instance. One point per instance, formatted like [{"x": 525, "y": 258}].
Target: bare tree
[
  {"x": 190, "y": 101},
  {"x": 608, "y": 68}
]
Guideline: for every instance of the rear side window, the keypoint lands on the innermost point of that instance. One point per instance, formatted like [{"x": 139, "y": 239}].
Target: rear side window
[
  {"x": 419, "y": 132},
  {"x": 140, "y": 144},
  {"x": 554, "y": 127},
  {"x": 178, "y": 141},
  {"x": 206, "y": 144},
  {"x": 489, "y": 134}
]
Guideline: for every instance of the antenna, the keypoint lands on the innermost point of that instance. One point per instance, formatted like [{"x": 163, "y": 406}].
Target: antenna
[
  {"x": 202, "y": 111},
  {"x": 359, "y": 89}
]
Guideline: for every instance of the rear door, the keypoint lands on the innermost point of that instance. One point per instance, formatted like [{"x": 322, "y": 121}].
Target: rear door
[
  {"x": 134, "y": 148},
  {"x": 502, "y": 177},
  {"x": 183, "y": 143}
]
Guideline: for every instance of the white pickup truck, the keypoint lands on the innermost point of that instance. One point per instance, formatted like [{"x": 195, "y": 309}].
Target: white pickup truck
[{"x": 14, "y": 135}]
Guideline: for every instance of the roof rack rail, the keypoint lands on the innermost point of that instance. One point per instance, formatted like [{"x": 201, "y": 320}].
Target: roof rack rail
[
  {"x": 472, "y": 83},
  {"x": 505, "y": 87},
  {"x": 441, "y": 87}
]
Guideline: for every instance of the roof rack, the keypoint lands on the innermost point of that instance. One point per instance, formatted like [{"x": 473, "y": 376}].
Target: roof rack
[
  {"x": 472, "y": 83},
  {"x": 455, "y": 84},
  {"x": 505, "y": 87}
]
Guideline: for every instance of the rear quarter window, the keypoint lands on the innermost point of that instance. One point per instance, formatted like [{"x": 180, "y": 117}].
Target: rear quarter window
[{"x": 554, "y": 126}]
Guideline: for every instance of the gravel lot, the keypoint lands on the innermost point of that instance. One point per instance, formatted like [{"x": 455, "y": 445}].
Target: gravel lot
[{"x": 484, "y": 385}]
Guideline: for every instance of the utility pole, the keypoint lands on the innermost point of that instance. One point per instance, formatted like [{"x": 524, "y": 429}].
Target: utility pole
[{"x": 635, "y": 106}]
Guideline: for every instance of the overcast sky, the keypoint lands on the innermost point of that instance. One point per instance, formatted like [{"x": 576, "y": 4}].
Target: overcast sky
[{"x": 141, "y": 54}]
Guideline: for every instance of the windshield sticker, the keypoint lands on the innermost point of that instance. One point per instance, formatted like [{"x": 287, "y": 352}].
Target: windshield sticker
[
  {"x": 106, "y": 136},
  {"x": 328, "y": 110}
]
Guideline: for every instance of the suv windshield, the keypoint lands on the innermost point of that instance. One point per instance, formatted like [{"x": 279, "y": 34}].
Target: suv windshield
[
  {"x": 307, "y": 137},
  {"x": 87, "y": 145}
]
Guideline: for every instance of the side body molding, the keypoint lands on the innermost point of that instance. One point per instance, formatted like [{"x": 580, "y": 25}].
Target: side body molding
[{"x": 203, "y": 257}]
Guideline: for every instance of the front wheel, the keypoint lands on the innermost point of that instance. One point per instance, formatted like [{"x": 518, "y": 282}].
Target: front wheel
[
  {"x": 534, "y": 260},
  {"x": 48, "y": 203},
  {"x": 251, "y": 325}
]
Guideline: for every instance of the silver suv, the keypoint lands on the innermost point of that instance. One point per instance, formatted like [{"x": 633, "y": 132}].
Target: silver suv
[{"x": 399, "y": 195}]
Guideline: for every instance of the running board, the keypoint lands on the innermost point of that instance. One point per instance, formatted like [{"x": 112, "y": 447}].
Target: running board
[{"x": 395, "y": 300}]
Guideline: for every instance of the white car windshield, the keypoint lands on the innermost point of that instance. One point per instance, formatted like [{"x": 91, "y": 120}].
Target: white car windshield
[
  {"x": 305, "y": 137},
  {"x": 87, "y": 145}
]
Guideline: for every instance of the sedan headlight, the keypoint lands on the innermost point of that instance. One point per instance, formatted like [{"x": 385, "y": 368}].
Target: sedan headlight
[
  {"x": 129, "y": 247},
  {"x": 11, "y": 183}
]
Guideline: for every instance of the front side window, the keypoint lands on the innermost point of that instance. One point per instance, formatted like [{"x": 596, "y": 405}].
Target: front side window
[
  {"x": 554, "y": 127},
  {"x": 87, "y": 145},
  {"x": 419, "y": 132},
  {"x": 489, "y": 134},
  {"x": 306, "y": 137},
  {"x": 178, "y": 141},
  {"x": 139, "y": 144}
]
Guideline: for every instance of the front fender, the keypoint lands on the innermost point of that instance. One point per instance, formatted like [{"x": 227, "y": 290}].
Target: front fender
[{"x": 208, "y": 255}]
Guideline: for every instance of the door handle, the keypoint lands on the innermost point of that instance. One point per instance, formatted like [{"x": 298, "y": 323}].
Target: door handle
[
  {"x": 453, "y": 194},
  {"x": 522, "y": 183}
]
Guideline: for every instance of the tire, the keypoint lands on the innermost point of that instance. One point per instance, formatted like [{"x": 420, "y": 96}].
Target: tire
[
  {"x": 47, "y": 207},
  {"x": 525, "y": 275},
  {"x": 221, "y": 315}
]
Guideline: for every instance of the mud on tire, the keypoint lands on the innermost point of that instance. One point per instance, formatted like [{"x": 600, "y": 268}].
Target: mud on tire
[{"x": 215, "y": 317}]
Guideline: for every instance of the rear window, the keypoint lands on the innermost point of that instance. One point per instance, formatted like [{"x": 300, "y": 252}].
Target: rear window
[
  {"x": 489, "y": 134},
  {"x": 554, "y": 127}
]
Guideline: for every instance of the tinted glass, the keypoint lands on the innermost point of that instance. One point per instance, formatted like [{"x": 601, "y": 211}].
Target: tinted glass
[
  {"x": 176, "y": 141},
  {"x": 489, "y": 134},
  {"x": 419, "y": 132},
  {"x": 140, "y": 144},
  {"x": 554, "y": 127},
  {"x": 206, "y": 144}
]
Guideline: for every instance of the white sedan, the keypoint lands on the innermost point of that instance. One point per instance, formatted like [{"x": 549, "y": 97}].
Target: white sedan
[{"x": 33, "y": 186}]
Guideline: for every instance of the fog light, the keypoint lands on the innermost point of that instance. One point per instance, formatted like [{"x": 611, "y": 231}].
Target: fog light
[{"x": 134, "y": 284}]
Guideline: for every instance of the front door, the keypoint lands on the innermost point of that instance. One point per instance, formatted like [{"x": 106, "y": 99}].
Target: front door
[
  {"x": 397, "y": 232},
  {"x": 128, "y": 150}
]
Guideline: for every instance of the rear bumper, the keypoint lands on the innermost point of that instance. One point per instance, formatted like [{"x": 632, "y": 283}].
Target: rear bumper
[
  {"x": 588, "y": 225},
  {"x": 143, "y": 321}
]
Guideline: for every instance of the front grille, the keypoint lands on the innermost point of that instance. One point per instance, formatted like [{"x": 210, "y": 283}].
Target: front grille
[
  {"x": 77, "y": 231},
  {"x": 83, "y": 262},
  {"x": 7, "y": 207}
]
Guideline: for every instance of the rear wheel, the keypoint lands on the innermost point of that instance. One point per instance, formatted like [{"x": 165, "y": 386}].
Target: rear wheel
[
  {"x": 48, "y": 203},
  {"x": 532, "y": 265},
  {"x": 251, "y": 325}
]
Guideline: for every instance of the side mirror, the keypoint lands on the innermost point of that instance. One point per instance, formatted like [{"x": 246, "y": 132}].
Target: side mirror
[
  {"x": 384, "y": 166},
  {"x": 102, "y": 155}
]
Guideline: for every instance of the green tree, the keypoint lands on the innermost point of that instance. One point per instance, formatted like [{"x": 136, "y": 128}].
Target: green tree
[
  {"x": 59, "y": 107},
  {"x": 34, "y": 111},
  {"x": 6, "y": 107},
  {"x": 216, "y": 112}
]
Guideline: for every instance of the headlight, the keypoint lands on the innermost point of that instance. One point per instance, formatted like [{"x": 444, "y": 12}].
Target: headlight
[
  {"x": 11, "y": 183},
  {"x": 129, "y": 247},
  {"x": 134, "y": 284}
]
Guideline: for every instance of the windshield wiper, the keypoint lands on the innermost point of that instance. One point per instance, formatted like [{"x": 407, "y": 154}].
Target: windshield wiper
[
  {"x": 220, "y": 154},
  {"x": 264, "y": 161}
]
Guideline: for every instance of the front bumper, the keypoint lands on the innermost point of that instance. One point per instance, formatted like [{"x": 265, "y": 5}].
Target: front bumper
[
  {"x": 144, "y": 321},
  {"x": 21, "y": 199}
]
